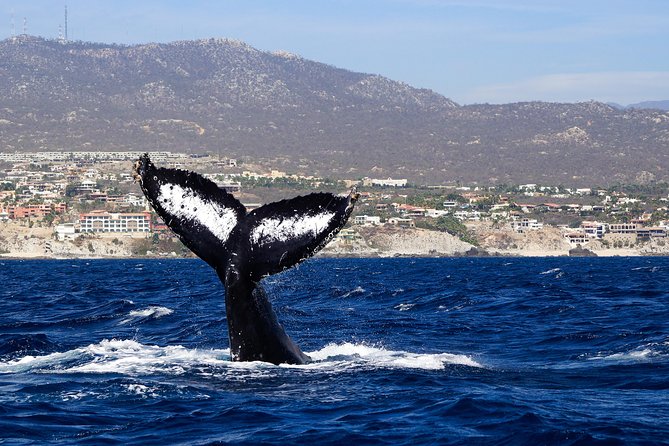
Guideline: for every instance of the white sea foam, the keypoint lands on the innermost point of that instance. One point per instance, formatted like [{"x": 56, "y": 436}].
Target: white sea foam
[
  {"x": 404, "y": 307},
  {"x": 356, "y": 290},
  {"x": 119, "y": 356},
  {"x": 552, "y": 271},
  {"x": 129, "y": 357},
  {"x": 633, "y": 356},
  {"x": 652, "y": 269},
  {"x": 360, "y": 354},
  {"x": 183, "y": 202},
  {"x": 282, "y": 229},
  {"x": 142, "y": 390},
  {"x": 152, "y": 312},
  {"x": 75, "y": 396}
]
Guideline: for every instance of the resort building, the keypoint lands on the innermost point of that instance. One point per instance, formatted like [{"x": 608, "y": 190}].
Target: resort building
[{"x": 105, "y": 222}]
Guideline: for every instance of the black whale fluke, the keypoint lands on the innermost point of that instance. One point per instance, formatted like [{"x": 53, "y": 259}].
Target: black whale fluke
[{"x": 244, "y": 247}]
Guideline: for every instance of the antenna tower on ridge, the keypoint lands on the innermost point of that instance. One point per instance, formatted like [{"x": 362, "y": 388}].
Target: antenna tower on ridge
[{"x": 66, "y": 23}]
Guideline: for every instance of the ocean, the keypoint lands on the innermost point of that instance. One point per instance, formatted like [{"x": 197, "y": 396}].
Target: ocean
[{"x": 405, "y": 352}]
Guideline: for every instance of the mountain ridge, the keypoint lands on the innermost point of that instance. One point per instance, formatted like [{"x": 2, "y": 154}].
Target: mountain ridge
[
  {"x": 653, "y": 105},
  {"x": 224, "y": 96}
]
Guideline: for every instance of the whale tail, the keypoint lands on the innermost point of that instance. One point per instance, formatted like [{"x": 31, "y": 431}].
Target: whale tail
[{"x": 245, "y": 246}]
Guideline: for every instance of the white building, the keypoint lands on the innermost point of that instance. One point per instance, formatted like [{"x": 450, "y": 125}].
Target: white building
[
  {"x": 526, "y": 224},
  {"x": 387, "y": 182},
  {"x": 577, "y": 238},
  {"x": 468, "y": 215},
  {"x": 105, "y": 222},
  {"x": 135, "y": 200},
  {"x": 593, "y": 229},
  {"x": 404, "y": 222},
  {"x": 66, "y": 231},
  {"x": 435, "y": 213},
  {"x": 366, "y": 220}
]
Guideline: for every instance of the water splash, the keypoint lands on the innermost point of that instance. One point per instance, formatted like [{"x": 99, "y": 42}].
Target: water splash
[
  {"x": 152, "y": 312},
  {"x": 128, "y": 357}
]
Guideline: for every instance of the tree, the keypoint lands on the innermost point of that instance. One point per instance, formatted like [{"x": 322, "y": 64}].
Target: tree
[
  {"x": 450, "y": 224},
  {"x": 49, "y": 218},
  {"x": 71, "y": 190}
]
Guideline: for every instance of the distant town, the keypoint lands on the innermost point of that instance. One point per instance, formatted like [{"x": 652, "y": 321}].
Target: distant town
[{"x": 83, "y": 196}]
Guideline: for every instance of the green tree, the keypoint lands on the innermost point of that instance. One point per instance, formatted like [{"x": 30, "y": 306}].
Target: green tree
[{"x": 450, "y": 224}]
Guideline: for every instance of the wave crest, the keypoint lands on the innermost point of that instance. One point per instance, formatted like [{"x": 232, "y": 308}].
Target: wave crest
[
  {"x": 129, "y": 357},
  {"x": 152, "y": 312},
  {"x": 380, "y": 357}
]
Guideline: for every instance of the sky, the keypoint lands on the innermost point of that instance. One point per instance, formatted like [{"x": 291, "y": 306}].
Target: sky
[{"x": 476, "y": 51}]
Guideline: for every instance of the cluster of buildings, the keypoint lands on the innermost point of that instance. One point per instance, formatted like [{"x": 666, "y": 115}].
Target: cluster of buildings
[
  {"x": 630, "y": 223},
  {"x": 616, "y": 234},
  {"x": 82, "y": 197},
  {"x": 45, "y": 185},
  {"x": 82, "y": 192}
]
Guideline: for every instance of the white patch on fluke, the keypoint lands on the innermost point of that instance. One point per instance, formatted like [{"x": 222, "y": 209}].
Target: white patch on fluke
[
  {"x": 280, "y": 230},
  {"x": 183, "y": 203}
]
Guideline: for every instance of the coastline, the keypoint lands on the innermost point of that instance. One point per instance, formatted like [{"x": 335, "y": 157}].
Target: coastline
[{"x": 20, "y": 243}]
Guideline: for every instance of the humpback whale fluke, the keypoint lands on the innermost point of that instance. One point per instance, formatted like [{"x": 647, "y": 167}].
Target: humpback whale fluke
[{"x": 243, "y": 247}]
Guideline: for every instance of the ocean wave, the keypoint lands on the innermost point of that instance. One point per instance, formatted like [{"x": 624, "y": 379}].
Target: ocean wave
[
  {"x": 355, "y": 291},
  {"x": 152, "y": 312},
  {"x": 129, "y": 357},
  {"x": 652, "y": 269},
  {"x": 118, "y": 356},
  {"x": 551, "y": 271},
  {"x": 25, "y": 343},
  {"x": 645, "y": 353},
  {"x": 404, "y": 306},
  {"x": 361, "y": 354},
  {"x": 637, "y": 355}
]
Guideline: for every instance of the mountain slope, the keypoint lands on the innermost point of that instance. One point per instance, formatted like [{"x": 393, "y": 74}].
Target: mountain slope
[{"x": 226, "y": 97}]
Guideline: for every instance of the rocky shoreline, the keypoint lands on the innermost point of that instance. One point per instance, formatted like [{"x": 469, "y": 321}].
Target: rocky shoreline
[{"x": 21, "y": 242}]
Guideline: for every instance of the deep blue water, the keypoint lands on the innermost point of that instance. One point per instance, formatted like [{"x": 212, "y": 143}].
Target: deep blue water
[{"x": 406, "y": 351}]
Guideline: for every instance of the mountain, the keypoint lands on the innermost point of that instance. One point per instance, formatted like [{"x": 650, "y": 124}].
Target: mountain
[
  {"x": 223, "y": 96},
  {"x": 652, "y": 105},
  {"x": 657, "y": 105}
]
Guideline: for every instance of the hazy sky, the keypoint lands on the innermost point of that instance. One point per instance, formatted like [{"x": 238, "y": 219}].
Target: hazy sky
[{"x": 470, "y": 51}]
